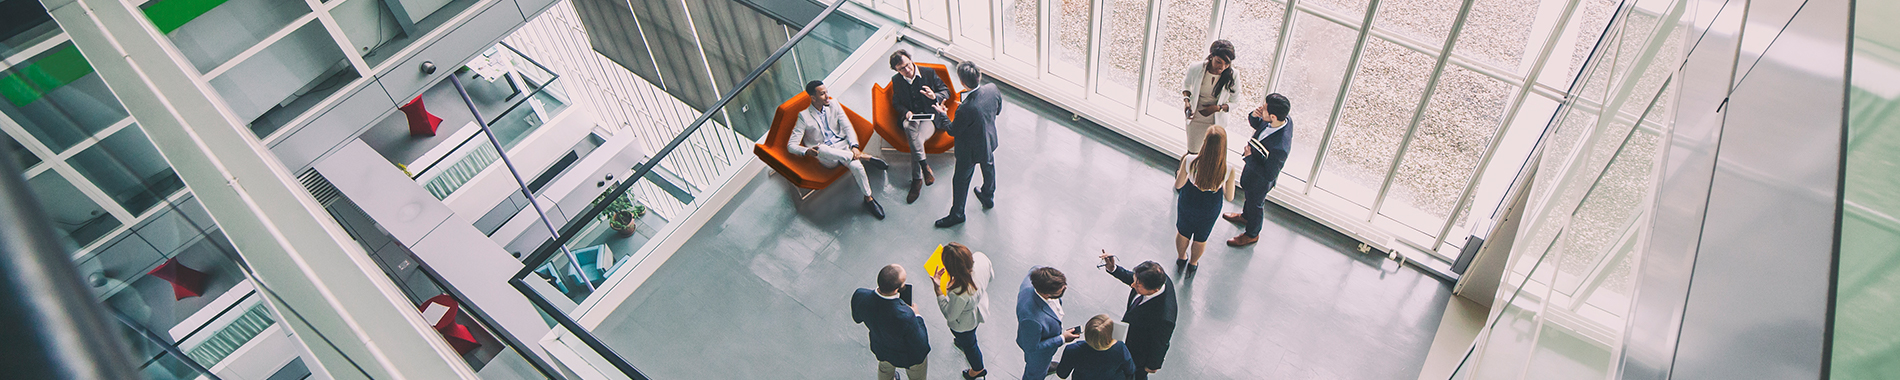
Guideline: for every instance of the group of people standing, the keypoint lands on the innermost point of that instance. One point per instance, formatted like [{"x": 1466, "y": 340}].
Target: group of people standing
[
  {"x": 824, "y": 133},
  {"x": 1203, "y": 181}
]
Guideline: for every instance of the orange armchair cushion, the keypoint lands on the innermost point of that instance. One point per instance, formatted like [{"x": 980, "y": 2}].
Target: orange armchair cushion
[
  {"x": 804, "y": 172},
  {"x": 892, "y": 129}
]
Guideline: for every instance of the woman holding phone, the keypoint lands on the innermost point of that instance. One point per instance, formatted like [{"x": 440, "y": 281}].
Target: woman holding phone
[
  {"x": 1206, "y": 89},
  {"x": 966, "y": 302}
]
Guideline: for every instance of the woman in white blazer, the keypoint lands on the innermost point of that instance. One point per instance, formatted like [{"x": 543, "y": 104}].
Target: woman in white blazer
[
  {"x": 1206, "y": 90},
  {"x": 966, "y": 304}
]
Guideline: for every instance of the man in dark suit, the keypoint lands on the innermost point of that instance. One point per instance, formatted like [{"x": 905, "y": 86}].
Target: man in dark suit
[
  {"x": 915, "y": 91},
  {"x": 898, "y": 338},
  {"x": 1273, "y": 131},
  {"x": 975, "y": 131},
  {"x": 1151, "y": 312},
  {"x": 1039, "y": 320}
]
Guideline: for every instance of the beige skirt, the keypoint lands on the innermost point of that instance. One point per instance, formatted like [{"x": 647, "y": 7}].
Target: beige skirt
[{"x": 1197, "y": 133}]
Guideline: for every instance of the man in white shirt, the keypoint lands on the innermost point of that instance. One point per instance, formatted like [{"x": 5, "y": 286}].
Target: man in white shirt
[{"x": 825, "y": 133}]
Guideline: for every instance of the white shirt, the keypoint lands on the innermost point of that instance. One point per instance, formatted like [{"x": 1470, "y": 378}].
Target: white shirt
[
  {"x": 1269, "y": 130},
  {"x": 1140, "y": 299},
  {"x": 1055, "y": 304}
]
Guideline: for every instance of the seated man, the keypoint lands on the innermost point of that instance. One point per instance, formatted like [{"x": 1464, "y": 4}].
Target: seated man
[{"x": 824, "y": 133}]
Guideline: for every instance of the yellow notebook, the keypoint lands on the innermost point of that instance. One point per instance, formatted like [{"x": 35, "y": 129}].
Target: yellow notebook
[{"x": 934, "y": 265}]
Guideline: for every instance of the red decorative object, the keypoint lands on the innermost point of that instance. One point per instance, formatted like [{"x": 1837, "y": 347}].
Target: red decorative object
[
  {"x": 421, "y": 122},
  {"x": 456, "y": 334},
  {"x": 186, "y": 282}
]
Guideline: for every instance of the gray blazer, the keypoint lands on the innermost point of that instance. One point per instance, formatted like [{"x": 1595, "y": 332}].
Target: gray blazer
[{"x": 975, "y": 124}]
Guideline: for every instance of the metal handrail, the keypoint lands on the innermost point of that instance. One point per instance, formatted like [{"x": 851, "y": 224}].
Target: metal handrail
[{"x": 575, "y": 225}]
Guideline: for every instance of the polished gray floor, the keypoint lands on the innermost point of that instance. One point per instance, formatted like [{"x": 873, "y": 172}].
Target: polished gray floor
[{"x": 762, "y": 291}]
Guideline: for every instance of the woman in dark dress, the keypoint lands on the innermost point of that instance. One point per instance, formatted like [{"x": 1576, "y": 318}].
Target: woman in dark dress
[{"x": 1201, "y": 182}]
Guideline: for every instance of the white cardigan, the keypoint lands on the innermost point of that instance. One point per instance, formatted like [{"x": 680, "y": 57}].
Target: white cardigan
[
  {"x": 1191, "y": 83},
  {"x": 964, "y": 311}
]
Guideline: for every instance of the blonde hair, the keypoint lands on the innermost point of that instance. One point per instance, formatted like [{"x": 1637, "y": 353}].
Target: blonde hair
[
  {"x": 1210, "y": 167},
  {"x": 1099, "y": 332}
]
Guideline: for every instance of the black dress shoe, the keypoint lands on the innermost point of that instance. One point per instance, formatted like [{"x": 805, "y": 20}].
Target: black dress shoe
[
  {"x": 877, "y": 163},
  {"x": 916, "y": 187},
  {"x": 987, "y": 199},
  {"x": 876, "y": 210},
  {"x": 949, "y": 221}
]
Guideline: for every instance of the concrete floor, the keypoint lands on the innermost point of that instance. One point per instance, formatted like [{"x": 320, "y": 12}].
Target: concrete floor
[{"x": 762, "y": 291}]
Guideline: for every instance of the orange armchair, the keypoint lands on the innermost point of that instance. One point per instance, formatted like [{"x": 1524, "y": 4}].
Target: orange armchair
[
  {"x": 804, "y": 172},
  {"x": 892, "y": 129}
]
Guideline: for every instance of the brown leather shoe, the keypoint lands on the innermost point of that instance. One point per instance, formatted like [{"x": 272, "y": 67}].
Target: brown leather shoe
[
  {"x": 1242, "y": 240},
  {"x": 1235, "y": 217},
  {"x": 916, "y": 186},
  {"x": 929, "y": 177}
]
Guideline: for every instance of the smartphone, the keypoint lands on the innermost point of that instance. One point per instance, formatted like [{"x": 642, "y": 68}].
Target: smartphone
[
  {"x": 1075, "y": 330},
  {"x": 904, "y": 294},
  {"x": 922, "y": 117}
]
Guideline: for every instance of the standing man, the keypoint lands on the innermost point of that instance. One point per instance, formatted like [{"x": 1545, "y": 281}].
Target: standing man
[
  {"x": 975, "y": 131},
  {"x": 898, "y": 338},
  {"x": 1039, "y": 320},
  {"x": 823, "y": 133},
  {"x": 1151, "y": 313},
  {"x": 917, "y": 91},
  {"x": 1274, "y": 132}
]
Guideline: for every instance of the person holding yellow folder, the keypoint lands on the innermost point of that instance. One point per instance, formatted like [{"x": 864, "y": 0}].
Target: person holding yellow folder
[{"x": 961, "y": 278}]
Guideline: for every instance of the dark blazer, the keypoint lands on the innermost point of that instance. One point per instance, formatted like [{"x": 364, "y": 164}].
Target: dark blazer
[
  {"x": 897, "y": 332},
  {"x": 975, "y": 124},
  {"x": 1262, "y": 170},
  {"x": 1085, "y": 363},
  {"x": 905, "y": 96},
  {"x": 1037, "y": 328},
  {"x": 1151, "y": 324}
]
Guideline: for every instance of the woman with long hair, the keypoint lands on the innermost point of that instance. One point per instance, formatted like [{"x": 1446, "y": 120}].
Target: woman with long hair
[
  {"x": 1206, "y": 89},
  {"x": 1201, "y": 182},
  {"x": 965, "y": 303}
]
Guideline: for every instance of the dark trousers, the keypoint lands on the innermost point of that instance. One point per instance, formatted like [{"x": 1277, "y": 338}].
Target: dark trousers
[
  {"x": 1255, "y": 209},
  {"x": 966, "y": 169},
  {"x": 966, "y": 341}
]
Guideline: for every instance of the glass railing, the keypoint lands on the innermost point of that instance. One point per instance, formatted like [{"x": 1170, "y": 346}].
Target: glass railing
[
  {"x": 592, "y": 247},
  {"x": 532, "y": 99}
]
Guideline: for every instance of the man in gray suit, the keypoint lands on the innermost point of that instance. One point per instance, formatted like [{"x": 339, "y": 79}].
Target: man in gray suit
[
  {"x": 825, "y": 133},
  {"x": 975, "y": 131}
]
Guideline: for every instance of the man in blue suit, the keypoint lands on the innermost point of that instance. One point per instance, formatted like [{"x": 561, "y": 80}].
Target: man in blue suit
[
  {"x": 1039, "y": 320},
  {"x": 1273, "y": 131},
  {"x": 898, "y": 338}
]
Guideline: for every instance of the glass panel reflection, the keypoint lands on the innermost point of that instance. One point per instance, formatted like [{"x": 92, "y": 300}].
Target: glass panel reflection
[
  {"x": 79, "y": 220},
  {"x": 1378, "y": 109},
  {"x": 129, "y": 169},
  {"x": 1315, "y": 65},
  {"x": 57, "y": 98},
  {"x": 1183, "y": 42},
  {"x": 1254, "y": 27},
  {"x": 1465, "y": 112}
]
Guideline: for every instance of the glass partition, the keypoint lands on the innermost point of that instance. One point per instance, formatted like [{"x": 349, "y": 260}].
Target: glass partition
[{"x": 1864, "y": 337}]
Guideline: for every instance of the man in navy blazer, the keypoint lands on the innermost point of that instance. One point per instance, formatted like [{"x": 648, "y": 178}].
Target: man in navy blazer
[
  {"x": 975, "y": 131},
  {"x": 898, "y": 338},
  {"x": 1039, "y": 320},
  {"x": 1273, "y": 131},
  {"x": 1151, "y": 313}
]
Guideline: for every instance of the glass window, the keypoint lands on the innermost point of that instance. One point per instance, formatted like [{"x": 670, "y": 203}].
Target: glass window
[
  {"x": 26, "y": 159},
  {"x": 1496, "y": 33},
  {"x": 58, "y": 99},
  {"x": 934, "y": 15},
  {"x": 79, "y": 220},
  {"x": 1375, "y": 116},
  {"x": 1183, "y": 42},
  {"x": 289, "y": 69},
  {"x": 1069, "y": 51},
  {"x": 129, "y": 169},
  {"x": 1352, "y": 9},
  {"x": 1315, "y": 66},
  {"x": 1424, "y": 21},
  {"x": 1022, "y": 24},
  {"x": 210, "y": 33},
  {"x": 1580, "y": 36},
  {"x": 1254, "y": 28},
  {"x": 974, "y": 25},
  {"x": 377, "y": 29},
  {"x": 1125, "y": 29},
  {"x": 1465, "y": 112},
  {"x": 27, "y": 24}
]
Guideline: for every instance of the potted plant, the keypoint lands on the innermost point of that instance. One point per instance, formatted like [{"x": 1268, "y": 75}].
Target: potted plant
[{"x": 621, "y": 214}]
